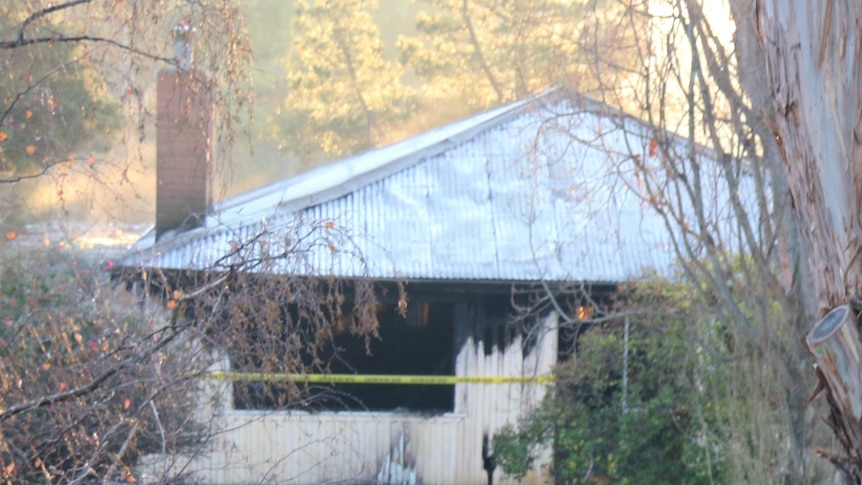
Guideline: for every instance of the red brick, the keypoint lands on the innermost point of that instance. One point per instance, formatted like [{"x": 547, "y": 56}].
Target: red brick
[{"x": 184, "y": 150}]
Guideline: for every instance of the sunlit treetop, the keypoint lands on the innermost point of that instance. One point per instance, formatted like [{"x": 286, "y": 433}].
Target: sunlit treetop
[{"x": 344, "y": 96}]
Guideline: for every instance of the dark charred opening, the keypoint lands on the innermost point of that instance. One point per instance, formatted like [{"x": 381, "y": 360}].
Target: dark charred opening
[
  {"x": 439, "y": 322},
  {"x": 419, "y": 343}
]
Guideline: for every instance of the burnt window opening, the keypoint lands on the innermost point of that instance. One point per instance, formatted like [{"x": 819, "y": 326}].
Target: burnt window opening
[
  {"x": 493, "y": 324},
  {"x": 420, "y": 343}
]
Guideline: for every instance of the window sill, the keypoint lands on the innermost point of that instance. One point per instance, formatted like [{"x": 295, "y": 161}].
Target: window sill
[{"x": 393, "y": 415}]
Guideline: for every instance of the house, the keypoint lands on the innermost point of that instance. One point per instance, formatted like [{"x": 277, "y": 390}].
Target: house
[{"x": 523, "y": 199}]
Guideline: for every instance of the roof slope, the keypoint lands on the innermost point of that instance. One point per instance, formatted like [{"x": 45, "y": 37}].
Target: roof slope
[{"x": 526, "y": 192}]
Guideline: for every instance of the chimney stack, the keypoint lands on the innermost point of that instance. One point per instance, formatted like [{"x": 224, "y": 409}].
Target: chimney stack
[{"x": 184, "y": 145}]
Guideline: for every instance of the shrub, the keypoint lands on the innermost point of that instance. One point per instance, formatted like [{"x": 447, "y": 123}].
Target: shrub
[
  {"x": 642, "y": 429},
  {"x": 87, "y": 381}
]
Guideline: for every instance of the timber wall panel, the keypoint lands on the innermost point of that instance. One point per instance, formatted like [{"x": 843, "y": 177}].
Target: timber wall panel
[{"x": 349, "y": 447}]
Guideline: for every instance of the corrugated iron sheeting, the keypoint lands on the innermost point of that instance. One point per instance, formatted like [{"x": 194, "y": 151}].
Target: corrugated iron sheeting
[{"x": 525, "y": 199}]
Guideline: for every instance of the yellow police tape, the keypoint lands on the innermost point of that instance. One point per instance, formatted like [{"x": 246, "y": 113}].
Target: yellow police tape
[{"x": 376, "y": 378}]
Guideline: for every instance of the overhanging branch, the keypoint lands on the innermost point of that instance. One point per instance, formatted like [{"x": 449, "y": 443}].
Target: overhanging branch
[
  {"x": 42, "y": 171},
  {"x": 23, "y": 42},
  {"x": 47, "y": 11}
]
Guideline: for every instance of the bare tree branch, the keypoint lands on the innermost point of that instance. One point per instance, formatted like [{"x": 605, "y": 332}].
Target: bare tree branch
[
  {"x": 94, "y": 384},
  {"x": 42, "y": 171},
  {"x": 12, "y": 44},
  {"x": 47, "y": 11}
]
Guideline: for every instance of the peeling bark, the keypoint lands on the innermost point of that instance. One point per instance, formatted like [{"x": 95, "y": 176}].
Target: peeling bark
[
  {"x": 812, "y": 59},
  {"x": 817, "y": 107}
]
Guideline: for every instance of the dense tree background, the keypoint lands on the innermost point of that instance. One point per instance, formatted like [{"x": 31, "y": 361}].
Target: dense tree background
[
  {"x": 343, "y": 95},
  {"x": 330, "y": 79},
  {"x": 76, "y": 103}
]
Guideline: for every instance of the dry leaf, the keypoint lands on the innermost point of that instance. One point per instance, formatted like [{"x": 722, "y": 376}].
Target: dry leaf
[
  {"x": 127, "y": 476},
  {"x": 653, "y": 148}
]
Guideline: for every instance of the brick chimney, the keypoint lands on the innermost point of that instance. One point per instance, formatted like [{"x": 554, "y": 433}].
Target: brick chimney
[{"x": 184, "y": 147}]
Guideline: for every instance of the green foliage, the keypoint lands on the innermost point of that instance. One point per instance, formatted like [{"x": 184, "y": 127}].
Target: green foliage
[
  {"x": 343, "y": 95},
  {"x": 648, "y": 428},
  {"x": 76, "y": 99},
  {"x": 346, "y": 94},
  {"x": 492, "y": 52},
  {"x": 52, "y": 103},
  {"x": 357, "y": 76}
]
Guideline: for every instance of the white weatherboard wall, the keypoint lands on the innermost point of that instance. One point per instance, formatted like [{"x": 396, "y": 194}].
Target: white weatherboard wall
[{"x": 352, "y": 447}]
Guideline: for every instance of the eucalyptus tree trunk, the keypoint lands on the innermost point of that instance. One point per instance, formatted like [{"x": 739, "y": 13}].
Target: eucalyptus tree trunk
[{"x": 812, "y": 54}]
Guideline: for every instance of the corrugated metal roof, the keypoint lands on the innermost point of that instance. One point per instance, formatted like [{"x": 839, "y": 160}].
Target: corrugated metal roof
[{"x": 526, "y": 192}]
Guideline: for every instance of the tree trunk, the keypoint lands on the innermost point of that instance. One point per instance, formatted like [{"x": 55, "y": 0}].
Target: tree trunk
[
  {"x": 812, "y": 57},
  {"x": 834, "y": 344}
]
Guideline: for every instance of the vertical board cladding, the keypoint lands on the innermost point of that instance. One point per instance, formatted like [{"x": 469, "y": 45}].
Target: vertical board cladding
[
  {"x": 184, "y": 150},
  {"x": 491, "y": 347},
  {"x": 388, "y": 447}
]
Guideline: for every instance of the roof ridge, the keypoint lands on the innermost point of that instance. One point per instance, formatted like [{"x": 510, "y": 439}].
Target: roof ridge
[{"x": 330, "y": 181}]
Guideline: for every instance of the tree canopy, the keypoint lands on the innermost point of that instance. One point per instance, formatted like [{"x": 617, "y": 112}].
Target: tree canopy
[
  {"x": 77, "y": 94},
  {"x": 343, "y": 95}
]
